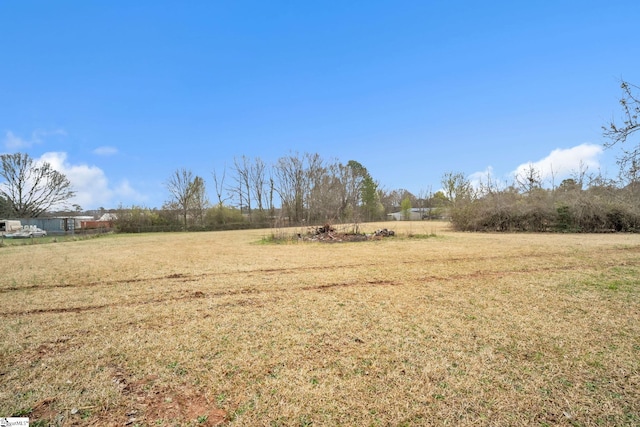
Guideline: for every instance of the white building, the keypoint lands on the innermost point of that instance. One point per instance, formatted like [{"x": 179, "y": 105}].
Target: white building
[{"x": 415, "y": 214}]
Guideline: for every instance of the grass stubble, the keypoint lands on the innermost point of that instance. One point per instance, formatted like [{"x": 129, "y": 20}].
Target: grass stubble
[{"x": 220, "y": 329}]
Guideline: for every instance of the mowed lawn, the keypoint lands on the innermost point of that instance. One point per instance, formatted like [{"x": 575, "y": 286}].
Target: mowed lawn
[{"x": 222, "y": 328}]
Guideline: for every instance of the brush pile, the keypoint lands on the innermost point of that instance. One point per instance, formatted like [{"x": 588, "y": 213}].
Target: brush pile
[{"x": 329, "y": 234}]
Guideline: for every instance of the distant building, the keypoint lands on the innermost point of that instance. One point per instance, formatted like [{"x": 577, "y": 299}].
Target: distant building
[
  {"x": 57, "y": 225},
  {"x": 108, "y": 217},
  {"x": 69, "y": 224},
  {"x": 105, "y": 222},
  {"x": 416, "y": 214}
]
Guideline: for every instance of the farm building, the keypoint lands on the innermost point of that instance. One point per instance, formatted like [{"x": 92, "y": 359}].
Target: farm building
[
  {"x": 68, "y": 224},
  {"x": 59, "y": 225},
  {"x": 416, "y": 214},
  {"x": 104, "y": 222}
]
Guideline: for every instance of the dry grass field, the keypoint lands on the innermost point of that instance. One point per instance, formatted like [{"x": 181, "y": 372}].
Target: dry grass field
[{"x": 224, "y": 328}]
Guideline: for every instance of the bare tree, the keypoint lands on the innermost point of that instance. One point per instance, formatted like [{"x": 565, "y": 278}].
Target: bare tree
[
  {"x": 290, "y": 184},
  {"x": 423, "y": 197},
  {"x": 553, "y": 177},
  {"x": 387, "y": 199},
  {"x": 218, "y": 182},
  {"x": 347, "y": 191},
  {"x": 352, "y": 177},
  {"x": 272, "y": 187},
  {"x": 222, "y": 198},
  {"x": 456, "y": 187},
  {"x": 617, "y": 133},
  {"x": 184, "y": 189},
  {"x": 394, "y": 198},
  {"x": 257, "y": 179},
  {"x": 355, "y": 175},
  {"x": 579, "y": 175},
  {"x": 327, "y": 194},
  {"x": 31, "y": 188},
  {"x": 199, "y": 200},
  {"x": 529, "y": 179},
  {"x": 315, "y": 172},
  {"x": 243, "y": 182}
]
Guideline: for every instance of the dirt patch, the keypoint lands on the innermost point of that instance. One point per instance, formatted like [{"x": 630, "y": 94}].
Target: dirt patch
[
  {"x": 151, "y": 404},
  {"x": 179, "y": 405},
  {"x": 43, "y": 410},
  {"x": 48, "y": 349}
]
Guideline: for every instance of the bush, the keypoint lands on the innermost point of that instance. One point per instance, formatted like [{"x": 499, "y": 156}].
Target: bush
[{"x": 597, "y": 209}]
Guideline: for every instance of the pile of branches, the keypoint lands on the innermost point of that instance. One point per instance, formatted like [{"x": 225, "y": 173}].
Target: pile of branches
[{"x": 329, "y": 234}]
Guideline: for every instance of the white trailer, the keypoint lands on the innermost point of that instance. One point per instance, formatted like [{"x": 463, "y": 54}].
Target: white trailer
[{"x": 9, "y": 226}]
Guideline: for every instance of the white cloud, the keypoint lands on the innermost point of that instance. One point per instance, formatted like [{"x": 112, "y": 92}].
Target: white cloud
[
  {"x": 105, "y": 151},
  {"x": 125, "y": 190},
  {"x": 562, "y": 163},
  {"x": 13, "y": 142},
  {"x": 477, "y": 179},
  {"x": 90, "y": 183}
]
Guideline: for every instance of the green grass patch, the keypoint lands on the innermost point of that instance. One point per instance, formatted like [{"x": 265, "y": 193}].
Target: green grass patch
[
  {"x": 10, "y": 242},
  {"x": 422, "y": 235},
  {"x": 621, "y": 279}
]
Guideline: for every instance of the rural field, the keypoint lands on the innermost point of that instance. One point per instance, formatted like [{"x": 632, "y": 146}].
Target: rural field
[{"x": 430, "y": 327}]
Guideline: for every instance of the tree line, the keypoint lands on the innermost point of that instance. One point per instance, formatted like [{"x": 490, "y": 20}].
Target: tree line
[
  {"x": 306, "y": 189},
  {"x": 296, "y": 189}
]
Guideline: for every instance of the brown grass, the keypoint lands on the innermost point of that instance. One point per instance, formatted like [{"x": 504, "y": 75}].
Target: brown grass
[{"x": 221, "y": 329}]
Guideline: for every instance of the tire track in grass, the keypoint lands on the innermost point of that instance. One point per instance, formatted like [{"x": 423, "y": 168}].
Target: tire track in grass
[
  {"x": 191, "y": 295},
  {"x": 181, "y": 277}
]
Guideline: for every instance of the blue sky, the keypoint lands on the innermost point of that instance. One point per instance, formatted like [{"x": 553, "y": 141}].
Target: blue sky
[{"x": 120, "y": 94}]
